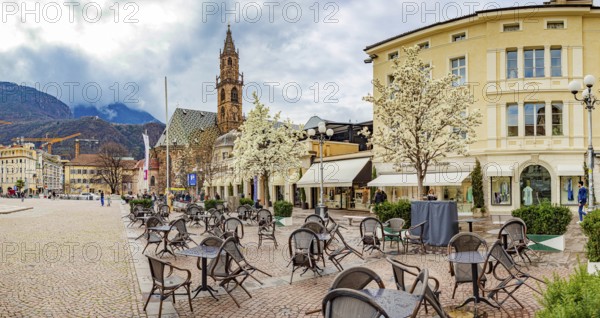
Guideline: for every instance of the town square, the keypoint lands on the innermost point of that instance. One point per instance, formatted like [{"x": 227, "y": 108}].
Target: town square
[{"x": 286, "y": 159}]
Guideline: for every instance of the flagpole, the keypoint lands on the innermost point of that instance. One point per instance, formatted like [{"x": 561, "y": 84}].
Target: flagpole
[{"x": 167, "y": 140}]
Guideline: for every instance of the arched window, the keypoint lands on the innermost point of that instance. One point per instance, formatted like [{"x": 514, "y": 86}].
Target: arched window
[
  {"x": 222, "y": 95},
  {"x": 229, "y": 61},
  {"x": 234, "y": 95},
  {"x": 223, "y": 113},
  {"x": 152, "y": 181},
  {"x": 536, "y": 185}
]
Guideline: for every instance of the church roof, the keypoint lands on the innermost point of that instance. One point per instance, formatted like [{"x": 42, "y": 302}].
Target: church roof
[{"x": 187, "y": 123}]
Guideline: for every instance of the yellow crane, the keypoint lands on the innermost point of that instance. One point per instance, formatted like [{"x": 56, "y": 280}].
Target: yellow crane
[
  {"x": 47, "y": 141},
  {"x": 2, "y": 122}
]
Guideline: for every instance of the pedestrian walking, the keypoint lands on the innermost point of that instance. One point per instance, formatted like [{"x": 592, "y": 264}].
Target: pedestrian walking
[
  {"x": 101, "y": 198},
  {"x": 108, "y": 199},
  {"x": 582, "y": 199}
]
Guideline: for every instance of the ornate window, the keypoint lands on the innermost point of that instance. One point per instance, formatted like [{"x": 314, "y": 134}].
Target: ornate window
[
  {"x": 222, "y": 95},
  {"x": 234, "y": 95},
  {"x": 229, "y": 61}
]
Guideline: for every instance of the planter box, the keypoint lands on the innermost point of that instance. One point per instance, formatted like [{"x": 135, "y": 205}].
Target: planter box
[
  {"x": 282, "y": 221},
  {"x": 547, "y": 243},
  {"x": 593, "y": 267}
]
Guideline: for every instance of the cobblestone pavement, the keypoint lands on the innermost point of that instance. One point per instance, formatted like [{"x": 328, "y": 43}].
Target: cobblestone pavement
[
  {"x": 277, "y": 298},
  {"x": 65, "y": 259}
]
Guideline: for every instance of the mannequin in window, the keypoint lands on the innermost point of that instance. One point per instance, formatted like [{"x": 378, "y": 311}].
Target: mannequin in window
[
  {"x": 569, "y": 189},
  {"x": 527, "y": 195},
  {"x": 470, "y": 194},
  {"x": 504, "y": 191}
]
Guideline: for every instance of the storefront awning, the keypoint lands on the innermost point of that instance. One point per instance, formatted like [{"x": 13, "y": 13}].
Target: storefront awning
[
  {"x": 410, "y": 180},
  {"x": 338, "y": 173},
  {"x": 569, "y": 170},
  {"x": 499, "y": 171}
]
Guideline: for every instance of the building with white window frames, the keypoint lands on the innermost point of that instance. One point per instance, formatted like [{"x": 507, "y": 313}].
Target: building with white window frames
[{"x": 532, "y": 141}]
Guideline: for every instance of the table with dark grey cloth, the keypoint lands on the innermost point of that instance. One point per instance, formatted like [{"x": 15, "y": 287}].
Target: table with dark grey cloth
[{"x": 441, "y": 217}]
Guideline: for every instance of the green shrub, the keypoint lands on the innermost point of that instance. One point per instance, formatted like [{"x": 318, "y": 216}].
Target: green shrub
[
  {"x": 477, "y": 186},
  {"x": 211, "y": 204},
  {"x": 591, "y": 228},
  {"x": 388, "y": 210},
  {"x": 283, "y": 209},
  {"x": 574, "y": 297},
  {"x": 246, "y": 201},
  {"x": 146, "y": 203},
  {"x": 544, "y": 218}
]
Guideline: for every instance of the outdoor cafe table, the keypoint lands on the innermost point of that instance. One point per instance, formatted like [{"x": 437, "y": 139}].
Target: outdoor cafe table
[
  {"x": 470, "y": 221},
  {"x": 472, "y": 258},
  {"x": 165, "y": 229},
  {"x": 204, "y": 218},
  {"x": 204, "y": 252},
  {"x": 323, "y": 237},
  {"x": 396, "y": 303}
]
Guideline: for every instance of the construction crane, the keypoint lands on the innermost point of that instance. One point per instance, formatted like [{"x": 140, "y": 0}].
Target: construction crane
[
  {"x": 77, "y": 141},
  {"x": 48, "y": 141}
]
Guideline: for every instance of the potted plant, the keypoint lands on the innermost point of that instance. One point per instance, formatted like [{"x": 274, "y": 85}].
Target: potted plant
[
  {"x": 591, "y": 228},
  {"x": 283, "y": 212},
  {"x": 546, "y": 225},
  {"x": 477, "y": 185},
  {"x": 303, "y": 202}
]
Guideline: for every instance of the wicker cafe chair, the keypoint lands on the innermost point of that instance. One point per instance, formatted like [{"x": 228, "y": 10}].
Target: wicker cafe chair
[
  {"x": 219, "y": 264},
  {"x": 349, "y": 303},
  {"x": 432, "y": 296},
  {"x": 181, "y": 239},
  {"x": 395, "y": 226},
  {"x": 167, "y": 284},
  {"x": 150, "y": 236},
  {"x": 314, "y": 218},
  {"x": 304, "y": 249},
  {"x": 370, "y": 228},
  {"x": 266, "y": 227},
  {"x": 318, "y": 228},
  {"x": 510, "y": 278},
  {"x": 414, "y": 235},
  {"x": 235, "y": 270},
  {"x": 355, "y": 278},
  {"x": 163, "y": 211},
  {"x": 518, "y": 243},
  {"x": 465, "y": 242},
  {"x": 343, "y": 250},
  {"x": 192, "y": 213},
  {"x": 244, "y": 212},
  {"x": 233, "y": 227},
  {"x": 215, "y": 222}
]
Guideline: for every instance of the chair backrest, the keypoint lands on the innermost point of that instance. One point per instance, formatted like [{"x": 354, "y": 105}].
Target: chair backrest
[
  {"x": 344, "y": 302},
  {"x": 179, "y": 224},
  {"x": 417, "y": 229},
  {"x": 396, "y": 224},
  {"x": 316, "y": 227},
  {"x": 356, "y": 278},
  {"x": 370, "y": 226},
  {"x": 248, "y": 206},
  {"x": 212, "y": 241},
  {"x": 419, "y": 288},
  {"x": 314, "y": 218},
  {"x": 466, "y": 242},
  {"x": 153, "y": 221},
  {"x": 211, "y": 211},
  {"x": 231, "y": 248},
  {"x": 234, "y": 225},
  {"x": 400, "y": 269},
  {"x": 498, "y": 253},
  {"x": 302, "y": 241},
  {"x": 157, "y": 269},
  {"x": 516, "y": 230},
  {"x": 194, "y": 209},
  {"x": 264, "y": 217},
  {"x": 220, "y": 207}
]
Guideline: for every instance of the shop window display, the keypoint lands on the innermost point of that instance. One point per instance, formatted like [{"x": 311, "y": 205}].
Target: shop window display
[
  {"x": 568, "y": 190},
  {"x": 501, "y": 191}
]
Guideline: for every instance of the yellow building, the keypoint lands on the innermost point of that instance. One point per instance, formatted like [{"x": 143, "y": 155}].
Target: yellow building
[
  {"x": 82, "y": 175},
  {"x": 533, "y": 136},
  {"x": 19, "y": 162}
]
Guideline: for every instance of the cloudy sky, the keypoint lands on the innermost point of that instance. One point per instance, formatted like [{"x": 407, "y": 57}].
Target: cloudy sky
[{"x": 303, "y": 58}]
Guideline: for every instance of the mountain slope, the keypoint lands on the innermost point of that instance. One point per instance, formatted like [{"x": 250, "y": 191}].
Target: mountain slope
[
  {"x": 115, "y": 113},
  {"x": 129, "y": 136},
  {"x": 24, "y": 104}
]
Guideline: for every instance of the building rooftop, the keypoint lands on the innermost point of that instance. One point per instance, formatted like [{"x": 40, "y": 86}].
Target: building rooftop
[{"x": 186, "y": 123}]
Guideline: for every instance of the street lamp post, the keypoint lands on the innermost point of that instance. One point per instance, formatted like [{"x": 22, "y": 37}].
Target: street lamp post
[
  {"x": 589, "y": 100},
  {"x": 321, "y": 135}
]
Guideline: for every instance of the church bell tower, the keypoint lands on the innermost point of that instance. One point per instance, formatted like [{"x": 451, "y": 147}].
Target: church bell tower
[{"x": 229, "y": 87}]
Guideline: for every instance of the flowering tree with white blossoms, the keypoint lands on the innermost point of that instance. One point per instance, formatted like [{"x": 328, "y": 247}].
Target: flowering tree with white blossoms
[
  {"x": 421, "y": 119},
  {"x": 266, "y": 146}
]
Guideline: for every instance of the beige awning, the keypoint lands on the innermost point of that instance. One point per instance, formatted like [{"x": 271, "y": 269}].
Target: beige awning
[
  {"x": 338, "y": 173},
  {"x": 411, "y": 180},
  {"x": 570, "y": 170}
]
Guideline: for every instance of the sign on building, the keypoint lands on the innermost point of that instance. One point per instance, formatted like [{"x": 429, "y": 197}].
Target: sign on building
[{"x": 191, "y": 179}]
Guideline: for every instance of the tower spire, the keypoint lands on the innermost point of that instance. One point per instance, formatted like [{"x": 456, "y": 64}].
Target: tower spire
[{"x": 229, "y": 46}]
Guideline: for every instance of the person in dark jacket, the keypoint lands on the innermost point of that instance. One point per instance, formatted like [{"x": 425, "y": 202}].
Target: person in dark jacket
[
  {"x": 378, "y": 197},
  {"x": 257, "y": 204},
  {"x": 582, "y": 199}
]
